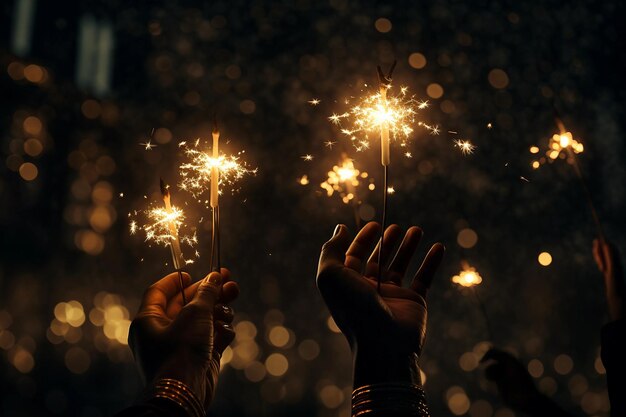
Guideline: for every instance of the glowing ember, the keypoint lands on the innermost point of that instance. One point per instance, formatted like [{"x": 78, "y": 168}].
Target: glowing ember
[
  {"x": 465, "y": 146},
  {"x": 344, "y": 180},
  {"x": 560, "y": 146},
  {"x": 468, "y": 277}
]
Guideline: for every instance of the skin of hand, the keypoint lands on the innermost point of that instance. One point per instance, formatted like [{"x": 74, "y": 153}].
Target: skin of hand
[
  {"x": 607, "y": 259},
  {"x": 185, "y": 343},
  {"x": 385, "y": 331},
  {"x": 515, "y": 385}
]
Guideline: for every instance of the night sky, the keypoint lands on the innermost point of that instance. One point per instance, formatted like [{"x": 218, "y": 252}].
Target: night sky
[{"x": 74, "y": 165}]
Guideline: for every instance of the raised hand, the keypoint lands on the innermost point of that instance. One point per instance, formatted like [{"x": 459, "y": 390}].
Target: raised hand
[
  {"x": 170, "y": 340},
  {"x": 385, "y": 331}
]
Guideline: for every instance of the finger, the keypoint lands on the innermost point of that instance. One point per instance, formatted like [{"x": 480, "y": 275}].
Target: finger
[
  {"x": 390, "y": 241},
  {"x": 208, "y": 291},
  {"x": 224, "y": 335},
  {"x": 230, "y": 292},
  {"x": 361, "y": 246},
  {"x": 598, "y": 255},
  {"x": 161, "y": 292},
  {"x": 401, "y": 262},
  {"x": 425, "y": 274},
  {"x": 223, "y": 313},
  {"x": 334, "y": 251}
]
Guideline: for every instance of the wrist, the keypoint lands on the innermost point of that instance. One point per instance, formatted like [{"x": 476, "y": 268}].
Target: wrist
[
  {"x": 376, "y": 367},
  {"x": 188, "y": 370}
]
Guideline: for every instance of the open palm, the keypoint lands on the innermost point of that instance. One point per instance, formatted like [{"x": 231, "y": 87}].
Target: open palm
[{"x": 394, "y": 320}]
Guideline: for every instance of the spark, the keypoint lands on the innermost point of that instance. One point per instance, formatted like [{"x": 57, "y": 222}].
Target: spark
[
  {"x": 314, "y": 102},
  {"x": 489, "y": 125},
  {"x": 307, "y": 157},
  {"x": 343, "y": 179},
  {"x": 148, "y": 146},
  {"x": 560, "y": 145},
  {"x": 391, "y": 190},
  {"x": 524, "y": 179},
  {"x": 121, "y": 195},
  {"x": 196, "y": 173},
  {"x": 408, "y": 154},
  {"x": 133, "y": 226},
  {"x": 304, "y": 180},
  {"x": 465, "y": 146},
  {"x": 329, "y": 144},
  {"x": 468, "y": 277},
  {"x": 365, "y": 119}
]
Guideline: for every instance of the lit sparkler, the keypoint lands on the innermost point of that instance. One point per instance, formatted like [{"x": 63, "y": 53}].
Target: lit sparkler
[
  {"x": 173, "y": 218},
  {"x": 210, "y": 171},
  {"x": 564, "y": 146},
  {"x": 344, "y": 180},
  {"x": 470, "y": 278}
]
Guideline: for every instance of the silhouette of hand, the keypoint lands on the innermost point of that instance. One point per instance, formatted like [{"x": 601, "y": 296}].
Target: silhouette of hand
[
  {"x": 389, "y": 325},
  {"x": 170, "y": 340}
]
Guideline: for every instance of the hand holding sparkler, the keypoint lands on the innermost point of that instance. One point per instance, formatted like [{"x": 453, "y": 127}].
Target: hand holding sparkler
[
  {"x": 184, "y": 342},
  {"x": 390, "y": 324},
  {"x": 516, "y": 386},
  {"x": 607, "y": 259}
]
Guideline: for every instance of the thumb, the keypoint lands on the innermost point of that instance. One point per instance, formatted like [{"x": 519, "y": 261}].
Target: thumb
[
  {"x": 333, "y": 252},
  {"x": 208, "y": 291}
]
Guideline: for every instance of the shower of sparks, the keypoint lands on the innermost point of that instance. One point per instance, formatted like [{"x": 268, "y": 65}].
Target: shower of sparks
[
  {"x": 157, "y": 226},
  {"x": 465, "y": 146},
  {"x": 366, "y": 118},
  {"x": 558, "y": 147},
  {"x": 307, "y": 157},
  {"x": 196, "y": 172},
  {"x": 148, "y": 146},
  {"x": 468, "y": 277},
  {"x": 314, "y": 102},
  {"x": 344, "y": 180}
]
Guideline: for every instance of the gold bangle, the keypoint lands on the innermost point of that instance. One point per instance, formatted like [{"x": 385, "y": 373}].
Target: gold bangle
[
  {"x": 178, "y": 393},
  {"x": 390, "y": 399}
]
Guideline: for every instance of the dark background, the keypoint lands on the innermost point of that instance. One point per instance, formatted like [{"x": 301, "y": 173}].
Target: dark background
[{"x": 65, "y": 233}]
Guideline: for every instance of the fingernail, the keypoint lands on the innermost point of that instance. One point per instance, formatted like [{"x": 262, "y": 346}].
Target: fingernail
[
  {"x": 337, "y": 229},
  {"x": 214, "y": 278}
]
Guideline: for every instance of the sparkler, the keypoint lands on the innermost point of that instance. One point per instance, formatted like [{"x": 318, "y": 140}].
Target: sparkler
[
  {"x": 563, "y": 145},
  {"x": 388, "y": 116},
  {"x": 470, "y": 278},
  {"x": 344, "y": 179},
  {"x": 171, "y": 217},
  {"x": 211, "y": 170}
]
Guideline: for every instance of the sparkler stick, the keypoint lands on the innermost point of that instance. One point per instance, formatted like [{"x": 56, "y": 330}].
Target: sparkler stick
[
  {"x": 470, "y": 278},
  {"x": 385, "y": 83},
  {"x": 177, "y": 255},
  {"x": 567, "y": 142},
  {"x": 215, "y": 208}
]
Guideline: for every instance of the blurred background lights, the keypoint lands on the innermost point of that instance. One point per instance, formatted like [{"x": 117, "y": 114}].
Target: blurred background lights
[{"x": 544, "y": 259}]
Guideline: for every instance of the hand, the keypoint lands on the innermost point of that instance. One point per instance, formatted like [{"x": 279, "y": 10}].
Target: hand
[
  {"x": 515, "y": 385},
  {"x": 170, "y": 340},
  {"x": 607, "y": 258},
  {"x": 385, "y": 331}
]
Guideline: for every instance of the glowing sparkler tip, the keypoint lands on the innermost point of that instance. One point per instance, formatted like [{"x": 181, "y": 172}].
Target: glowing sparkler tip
[{"x": 468, "y": 277}]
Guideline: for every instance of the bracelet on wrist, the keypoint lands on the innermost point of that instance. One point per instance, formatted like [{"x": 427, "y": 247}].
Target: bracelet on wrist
[
  {"x": 178, "y": 393},
  {"x": 389, "y": 399}
]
